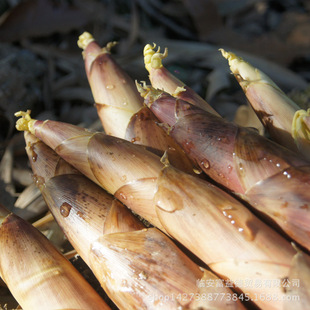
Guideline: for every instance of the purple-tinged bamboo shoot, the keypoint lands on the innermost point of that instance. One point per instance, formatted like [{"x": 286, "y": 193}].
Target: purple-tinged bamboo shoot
[
  {"x": 137, "y": 267},
  {"x": 211, "y": 223},
  {"x": 286, "y": 123},
  {"x": 271, "y": 178}
]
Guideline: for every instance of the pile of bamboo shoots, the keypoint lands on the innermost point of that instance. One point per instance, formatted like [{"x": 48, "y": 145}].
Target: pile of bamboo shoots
[{"x": 227, "y": 210}]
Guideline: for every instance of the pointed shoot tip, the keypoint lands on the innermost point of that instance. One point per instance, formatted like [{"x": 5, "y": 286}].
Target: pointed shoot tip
[
  {"x": 300, "y": 125},
  {"x": 233, "y": 60},
  {"x": 149, "y": 49},
  {"x": 165, "y": 160},
  {"x": 152, "y": 59},
  {"x": 142, "y": 88},
  {"x": 25, "y": 123},
  {"x": 84, "y": 39},
  {"x": 178, "y": 91},
  {"x": 224, "y": 53},
  {"x": 148, "y": 92},
  {"x": 245, "y": 71},
  {"x": 228, "y": 55},
  {"x": 295, "y": 247}
]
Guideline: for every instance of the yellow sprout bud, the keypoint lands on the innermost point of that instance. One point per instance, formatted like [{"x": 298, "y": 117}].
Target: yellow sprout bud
[
  {"x": 26, "y": 122},
  {"x": 299, "y": 124},
  {"x": 246, "y": 71},
  {"x": 84, "y": 40},
  {"x": 153, "y": 59},
  {"x": 178, "y": 91},
  {"x": 149, "y": 92}
]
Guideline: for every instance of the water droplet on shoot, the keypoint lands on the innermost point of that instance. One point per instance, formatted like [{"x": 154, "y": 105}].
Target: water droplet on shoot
[
  {"x": 241, "y": 170},
  {"x": 65, "y": 209},
  {"x": 171, "y": 201},
  {"x": 287, "y": 174},
  {"x": 231, "y": 213},
  {"x": 143, "y": 275},
  {"x": 205, "y": 164},
  {"x": 123, "y": 196},
  {"x": 110, "y": 86},
  {"x": 39, "y": 181},
  {"x": 81, "y": 215},
  {"x": 223, "y": 139},
  {"x": 56, "y": 272},
  {"x": 34, "y": 155}
]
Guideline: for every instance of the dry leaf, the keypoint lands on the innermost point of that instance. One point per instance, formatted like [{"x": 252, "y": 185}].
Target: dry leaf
[
  {"x": 35, "y": 18},
  {"x": 204, "y": 15}
]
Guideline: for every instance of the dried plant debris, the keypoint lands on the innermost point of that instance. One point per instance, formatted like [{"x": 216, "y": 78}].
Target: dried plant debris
[
  {"x": 20, "y": 86},
  {"x": 41, "y": 18}
]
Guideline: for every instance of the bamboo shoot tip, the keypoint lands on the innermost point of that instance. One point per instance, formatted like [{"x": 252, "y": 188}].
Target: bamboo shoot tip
[
  {"x": 233, "y": 60},
  {"x": 178, "y": 91},
  {"x": 165, "y": 160},
  {"x": 148, "y": 92},
  {"x": 84, "y": 39},
  {"x": 227, "y": 55},
  {"x": 300, "y": 126},
  {"x": 245, "y": 72},
  {"x": 142, "y": 88},
  {"x": 295, "y": 247},
  {"x": 153, "y": 59},
  {"x": 25, "y": 123}
]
